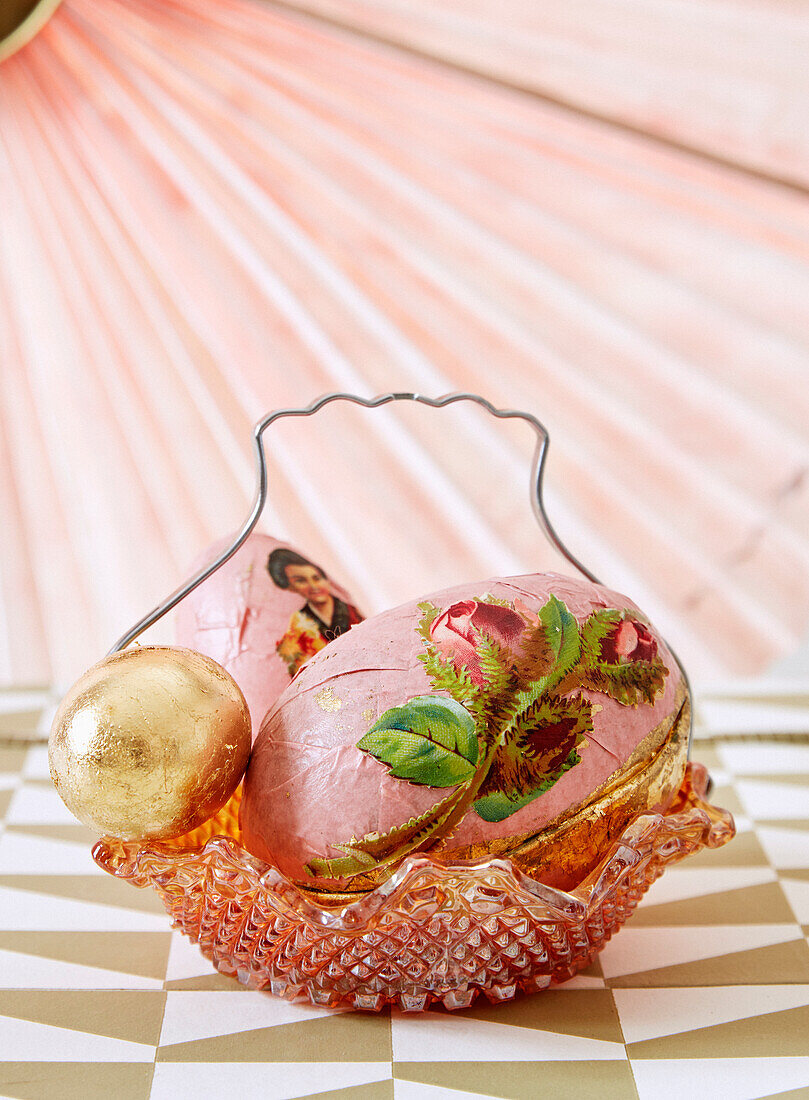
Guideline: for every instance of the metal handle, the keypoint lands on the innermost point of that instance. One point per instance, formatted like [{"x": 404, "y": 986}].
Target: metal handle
[{"x": 260, "y": 499}]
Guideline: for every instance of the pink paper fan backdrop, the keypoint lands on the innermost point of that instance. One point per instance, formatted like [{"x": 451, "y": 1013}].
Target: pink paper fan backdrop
[{"x": 214, "y": 209}]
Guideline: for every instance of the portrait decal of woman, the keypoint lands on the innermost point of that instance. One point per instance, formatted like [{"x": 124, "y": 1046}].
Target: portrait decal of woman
[{"x": 323, "y": 617}]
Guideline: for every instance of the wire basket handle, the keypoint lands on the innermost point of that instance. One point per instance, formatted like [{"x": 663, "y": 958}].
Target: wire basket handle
[{"x": 260, "y": 499}]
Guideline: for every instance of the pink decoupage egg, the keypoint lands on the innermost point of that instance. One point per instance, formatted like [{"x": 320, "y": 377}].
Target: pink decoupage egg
[
  {"x": 479, "y": 714},
  {"x": 261, "y": 615}
]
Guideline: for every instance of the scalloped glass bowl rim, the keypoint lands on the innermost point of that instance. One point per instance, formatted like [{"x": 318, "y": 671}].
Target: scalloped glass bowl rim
[{"x": 192, "y": 882}]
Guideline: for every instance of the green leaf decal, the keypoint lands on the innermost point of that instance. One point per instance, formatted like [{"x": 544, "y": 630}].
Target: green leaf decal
[
  {"x": 429, "y": 613},
  {"x": 497, "y": 601},
  {"x": 629, "y": 683},
  {"x": 498, "y": 806},
  {"x": 562, "y": 632},
  {"x": 594, "y": 630},
  {"x": 429, "y": 740},
  {"x": 496, "y": 666},
  {"x": 458, "y": 684},
  {"x": 536, "y": 745},
  {"x": 552, "y": 649}
]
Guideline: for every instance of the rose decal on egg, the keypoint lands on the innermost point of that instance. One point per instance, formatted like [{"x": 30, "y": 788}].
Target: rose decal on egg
[
  {"x": 508, "y": 716},
  {"x": 456, "y": 632},
  {"x": 631, "y": 640}
]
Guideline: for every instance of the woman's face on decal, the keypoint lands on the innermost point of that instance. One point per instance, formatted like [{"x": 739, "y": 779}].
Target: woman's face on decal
[{"x": 309, "y": 582}]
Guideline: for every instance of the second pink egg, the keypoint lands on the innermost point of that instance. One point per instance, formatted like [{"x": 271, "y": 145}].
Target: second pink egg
[{"x": 262, "y": 615}]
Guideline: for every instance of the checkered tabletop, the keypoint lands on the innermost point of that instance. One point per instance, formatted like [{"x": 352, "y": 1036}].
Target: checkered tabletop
[{"x": 704, "y": 993}]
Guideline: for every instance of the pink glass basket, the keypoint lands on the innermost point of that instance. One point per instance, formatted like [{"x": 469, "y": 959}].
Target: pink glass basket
[{"x": 434, "y": 931}]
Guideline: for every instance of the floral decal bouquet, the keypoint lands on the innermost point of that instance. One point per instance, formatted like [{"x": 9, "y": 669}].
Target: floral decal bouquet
[{"x": 507, "y": 718}]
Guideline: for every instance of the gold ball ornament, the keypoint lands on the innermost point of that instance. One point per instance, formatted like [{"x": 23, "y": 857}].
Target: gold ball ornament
[{"x": 149, "y": 743}]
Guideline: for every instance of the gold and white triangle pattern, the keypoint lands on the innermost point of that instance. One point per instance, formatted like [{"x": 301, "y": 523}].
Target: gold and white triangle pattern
[
  {"x": 705, "y": 992},
  {"x": 731, "y": 1078},
  {"x": 654, "y": 1013},
  {"x": 270, "y": 1080}
]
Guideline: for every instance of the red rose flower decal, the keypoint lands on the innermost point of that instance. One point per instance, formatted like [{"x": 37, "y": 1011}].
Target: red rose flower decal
[
  {"x": 630, "y": 640},
  {"x": 456, "y": 633}
]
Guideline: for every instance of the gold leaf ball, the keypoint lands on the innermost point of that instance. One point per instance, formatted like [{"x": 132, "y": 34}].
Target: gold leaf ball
[{"x": 149, "y": 743}]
